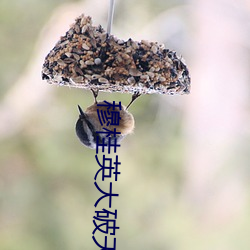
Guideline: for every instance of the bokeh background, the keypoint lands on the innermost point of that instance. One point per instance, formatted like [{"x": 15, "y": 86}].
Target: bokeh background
[{"x": 185, "y": 171}]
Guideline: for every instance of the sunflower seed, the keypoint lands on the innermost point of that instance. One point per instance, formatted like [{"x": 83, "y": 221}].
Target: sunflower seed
[
  {"x": 103, "y": 80},
  {"x": 131, "y": 80},
  {"x": 145, "y": 42},
  {"x": 134, "y": 72},
  {"x": 95, "y": 76},
  {"x": 68, "y": 54},
  {"x": 77, "y": 57},
  {"x": 77, "y": 79},
  {"x": 150, "y": 74},
  {"x": 77, "y": 29},
  {"x": 69, "y": 60},
  {"x": 154, "y": 49},
  {"x": 78, "y": 70},
  {"x": 88, "y": 62},
  {"x": 85, "y": 46},
  {"x": 61, "y": 62},
  {"x": 144, "y": 78}
]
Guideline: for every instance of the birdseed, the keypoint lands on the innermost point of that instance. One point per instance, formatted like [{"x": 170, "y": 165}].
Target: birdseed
[{"x": 87, "y": 57}]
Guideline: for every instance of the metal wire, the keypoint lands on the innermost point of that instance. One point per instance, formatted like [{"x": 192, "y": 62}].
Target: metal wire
[{"x": 110, "y": 15}]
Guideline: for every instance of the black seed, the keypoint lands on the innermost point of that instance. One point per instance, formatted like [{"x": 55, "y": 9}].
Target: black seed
[
  {"x": 171, "y": 87},
  {"x": 156, "y": 85},
  {"x": 176, "y": 64},
  {"x": 136, "y": 57},
  {"x": 63, "y": 56},
  {"x": 137, "y": 78},
  {"x": 170, "y": 56},
  {"x": 165, "y": 51},
  {"x": 45, "y": 77},
  {"x": 185, "y": 72},
  {"x": 173, "y": 73},
  {"x": 65, "y": 79},
  {"x": 95, "y": 82},
  {"x": 103, "y": 55},
  {"x": 144, "y": 65}
]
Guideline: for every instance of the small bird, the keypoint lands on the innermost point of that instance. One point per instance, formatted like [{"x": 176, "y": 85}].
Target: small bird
[{"x": 89, "y": 129}]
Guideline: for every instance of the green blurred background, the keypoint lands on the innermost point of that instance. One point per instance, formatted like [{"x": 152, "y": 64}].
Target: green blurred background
[{"x": 184, "y": 180}]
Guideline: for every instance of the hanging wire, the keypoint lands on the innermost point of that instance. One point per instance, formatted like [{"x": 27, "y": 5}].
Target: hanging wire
[{"x": 110, "y": 16}]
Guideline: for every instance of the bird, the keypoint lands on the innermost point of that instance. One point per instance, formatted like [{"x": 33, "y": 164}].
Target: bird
[{"x": 89, "y": 129}]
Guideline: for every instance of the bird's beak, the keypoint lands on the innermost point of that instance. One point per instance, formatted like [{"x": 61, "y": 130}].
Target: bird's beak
[{"x": 80, "y": 111}]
